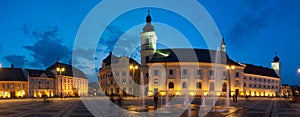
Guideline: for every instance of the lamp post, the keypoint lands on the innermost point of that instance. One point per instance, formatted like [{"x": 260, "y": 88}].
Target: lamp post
[
  {"x": 133, "y": 68},
  {"x": 229, "y": 68},
  {"x": 60, "y": 69}
]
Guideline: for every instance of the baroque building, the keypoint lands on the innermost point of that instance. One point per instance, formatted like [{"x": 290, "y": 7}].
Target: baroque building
[
  {"x": 181, "y": 71},
  {"x": 188, "y": 71}
]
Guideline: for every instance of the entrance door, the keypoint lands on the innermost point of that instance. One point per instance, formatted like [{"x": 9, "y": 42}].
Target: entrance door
[{"x": 12, "y": 94}]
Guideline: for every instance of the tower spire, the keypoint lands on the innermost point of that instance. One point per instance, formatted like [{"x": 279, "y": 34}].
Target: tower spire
[{"x": 148, "y": 18}]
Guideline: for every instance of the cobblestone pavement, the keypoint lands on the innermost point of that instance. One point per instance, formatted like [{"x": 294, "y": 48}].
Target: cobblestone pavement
[{"x": 101, "y": 106}]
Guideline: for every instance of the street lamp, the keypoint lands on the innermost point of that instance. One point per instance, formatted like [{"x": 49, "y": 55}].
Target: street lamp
[
  {"x": 299, "y": 70},
  {"x": 133, "y": 68},
  {"x": 60, "y": 70},
  {"x": 229, "y": 68}
]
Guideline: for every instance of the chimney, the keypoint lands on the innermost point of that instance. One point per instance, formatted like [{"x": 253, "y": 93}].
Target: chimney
[{"x": 12, "y": 65}]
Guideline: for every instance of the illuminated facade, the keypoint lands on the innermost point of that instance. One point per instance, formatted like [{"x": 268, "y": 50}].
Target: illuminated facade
[
  {"x": 41, "y": 83},
  {"x": 203, "y": 71},
  {"x": 69, "y": 81},
  {"x": 13, "y": 83},
  {"x": 119, "y": 76}
]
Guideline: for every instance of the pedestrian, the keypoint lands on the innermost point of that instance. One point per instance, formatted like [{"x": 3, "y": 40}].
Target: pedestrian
[
  {"x": 246, "y": 97},
  {"x": 233, "y": 97},
  {"x": 120, "y": 100},
  {"x": 112, "y": 98},
  {"x": 155, "y": 99}
]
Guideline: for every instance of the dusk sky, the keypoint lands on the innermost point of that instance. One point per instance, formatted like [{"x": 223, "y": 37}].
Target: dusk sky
[{"x": 34, "y": 33}]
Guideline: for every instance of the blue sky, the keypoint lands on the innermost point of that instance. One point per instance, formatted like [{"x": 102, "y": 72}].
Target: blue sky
[{"x": 34, "y": 33}]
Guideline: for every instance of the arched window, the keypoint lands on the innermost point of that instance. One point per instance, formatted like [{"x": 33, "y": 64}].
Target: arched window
[
  {"x": 171, "y": 85},
  {"x": 198, "y": 85},
  {"x": 212, "y": 86},
  {"x": 183, "y": 85},
  {"x": 224, "y": 88}
]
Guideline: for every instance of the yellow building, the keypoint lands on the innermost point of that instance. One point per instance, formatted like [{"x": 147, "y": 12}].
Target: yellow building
[
  {"x": 41, "y": 83},
  {"x": 69, "y": 81},
  {"x": 13, "y": 83}
]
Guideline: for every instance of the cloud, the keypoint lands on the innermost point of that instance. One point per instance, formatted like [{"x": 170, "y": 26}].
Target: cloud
[
  {"x": 48, "y": 47},
  {"x": 17, "y": 60},
  {"x": 255, "y": 16}
]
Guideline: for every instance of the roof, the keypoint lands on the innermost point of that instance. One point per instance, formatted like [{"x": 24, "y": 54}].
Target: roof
[
  {"x": 186, "y": 55},
  {"x": 69, "y": 70},
  {"x": 12, "y": 74},
  {"x": 259, "y": 70},
  {"x": 111, "y": 58},
  {"x": 38, "y": 73}
]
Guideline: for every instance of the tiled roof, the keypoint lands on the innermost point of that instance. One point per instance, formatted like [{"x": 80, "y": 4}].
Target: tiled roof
[
  {"x": 258, "y": 70},
  {"x": 69, "y": 70},
  {"x": 191, "y": 55},
  {"x": 38, "y": 73},
  {"x": 12, "y": 74}
]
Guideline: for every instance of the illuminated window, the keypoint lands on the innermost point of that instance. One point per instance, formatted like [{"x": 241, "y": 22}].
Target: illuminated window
[
  {"x": 237, "y": 83},
  {"x": 155, "y": 81}
]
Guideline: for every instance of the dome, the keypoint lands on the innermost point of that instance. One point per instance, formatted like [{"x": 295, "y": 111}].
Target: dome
[
  {"x": 148, "y": 27},
  {"x": 276, "y": 59}
]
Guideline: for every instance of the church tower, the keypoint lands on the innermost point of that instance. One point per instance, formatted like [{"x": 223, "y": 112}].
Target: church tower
[
  {"x": 148, "y": 41},
  {"x": 223, "y": 46},
  {"x": 276, "y": 65}
]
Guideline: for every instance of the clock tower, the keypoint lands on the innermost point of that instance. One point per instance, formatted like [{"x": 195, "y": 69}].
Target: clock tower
[
  {"x": 276, "y": 65},
  {"x": 148, "y": 41}
]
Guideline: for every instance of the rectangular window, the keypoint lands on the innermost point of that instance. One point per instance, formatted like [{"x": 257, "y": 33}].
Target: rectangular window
[
  {"x": 171, "y": 72},
  {"x": 123, "y": 73},
  {"x": 117, "y": 73},
  {"x": 199, "y": 72},
  {"x": 3, "y": 86},
  {"x": 155, "y": 72},
  {"x": 211, "y": 72},
  {"x": 12, "y": 86},
  {"x": 237, "y": 74},
  {"x": 237, "y": 83},
  {"x": 184, "y": 72}
]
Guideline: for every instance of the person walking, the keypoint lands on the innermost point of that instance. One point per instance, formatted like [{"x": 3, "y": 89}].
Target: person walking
[{"x": 155, "y": 99}]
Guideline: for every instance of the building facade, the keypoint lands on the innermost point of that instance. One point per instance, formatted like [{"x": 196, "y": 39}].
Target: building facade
[
  {"x": 119, "y": 76},
  {"x": 41, "y": 83},
  {"x": 188, "y": 71},
  {"x": 13, "y": 83},
  {"x": 70, "y": 81}
]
